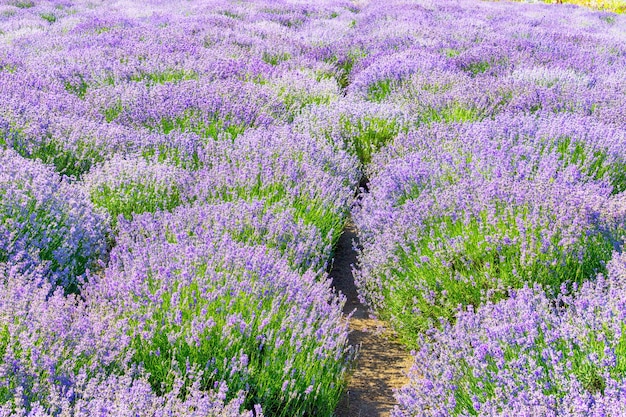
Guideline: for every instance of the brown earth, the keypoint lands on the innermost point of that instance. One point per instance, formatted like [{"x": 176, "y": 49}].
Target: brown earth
[{"x": 382, "y": 362}]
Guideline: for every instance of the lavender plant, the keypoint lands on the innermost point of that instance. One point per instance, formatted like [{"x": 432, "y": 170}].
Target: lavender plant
[
  {"x": 299, "y": 90},
  {"x": 203, "y": 304},
  {"x": 46, "y": 221},
  {"x": 527, "y": 355},
  {"x": 188, "y": 106},
  {"x": 280, "y": 165},
  {"x": 72, "y": 145},
  {"x": 58, "y": 357},
  {"x": 360, "y": 128},
  {"x": 251, "y": 223},
  {"x": 521, "y": 146},
  {"x": 126, "y": 186},
  {"x": 455, "y": 221},
  {"x": 460, "y": 244}
]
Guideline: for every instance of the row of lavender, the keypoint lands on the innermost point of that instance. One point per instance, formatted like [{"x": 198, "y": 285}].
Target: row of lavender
[
  {"x": 164, "y": 229},
  {"x": 491, "y": 231}
]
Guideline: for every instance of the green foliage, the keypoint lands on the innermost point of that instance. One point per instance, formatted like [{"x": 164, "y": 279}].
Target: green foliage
[
  {"x": 344, "y": 66},
  {"x": 23, "y": 4},
  {"x": 49, "y": 17},
  {"x": 275, "y": 59},
  {"x": 213, "y": 127},
  {"x": 426, "y": 283},
  {"x": 379, "y": 90},
  {"x": 78, "y": 88},
  {"x": 135, "y": 197},
  {"x": 608, "y": 19},
  {"x": 595, "y": 163},
  {"x": 451, "y": 53},
  {"x": 171, "y": 155},
  {"x": 232, "y": 15},
  {"x": 451, "y": 113},
  {"x": 102, "y": 29},
  {"x": 256, "y": 79},
  {"x": 11, "y": 69},
  {"x": 295, "y": 100},
  {"x": 436, "y": 88},
  {"x": 324, "y": 75},
  {"x": 476, "y": 68},
  {"x": 366, "y": 136},
  {"x": 311, "y": 210},
  {"x": 113, "y": 112},
  {"x": 162, "y": 77},
  {"x": 70, "y": 162}
]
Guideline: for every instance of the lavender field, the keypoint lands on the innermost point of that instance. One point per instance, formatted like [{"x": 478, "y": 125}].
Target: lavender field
[{"x": 175, "y": 177}]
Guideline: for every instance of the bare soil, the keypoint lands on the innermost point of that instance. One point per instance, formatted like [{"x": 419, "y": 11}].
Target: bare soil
[{"x": 382, "y": 362}]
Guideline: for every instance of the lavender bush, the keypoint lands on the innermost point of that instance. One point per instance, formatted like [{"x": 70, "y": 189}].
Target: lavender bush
[
  {"x": 202, "y": 304},
  {"x": 153, "y": 110},
  {"x": 58, "y": 357},
  {"x": 127, "y": 186},
  {"x": 252, "y": 223},
  {"x": 435, "y": 247},
  {"x": 521, "y": 146},
  {"x": 45, "y": 220},
  {"x": 357, "y": 127},
  {"x": 528, "y": 355},
  {"x": 279, "y": 165}
]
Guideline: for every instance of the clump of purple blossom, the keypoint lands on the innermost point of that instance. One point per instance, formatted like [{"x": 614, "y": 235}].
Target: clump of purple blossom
[
  {"x": 60, "y": 355},
  {"x": 280, "y": 165},
  {"x": 357, "y": 127},
  {"x": 126, "y": 186},
  {"x": 527, "y": 355},
  {"x": 198, "y": 303},
  {"x": 47, "y": 221},
  {"x": 435, "y": 237},
  {"x": 251, "y": 223}
]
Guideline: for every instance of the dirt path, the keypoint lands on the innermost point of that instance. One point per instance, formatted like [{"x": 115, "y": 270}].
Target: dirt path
[{"x": 382, "y": 362}]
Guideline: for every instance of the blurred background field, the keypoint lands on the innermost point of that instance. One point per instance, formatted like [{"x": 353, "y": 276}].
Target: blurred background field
[{"x": 617, "y": 6}]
